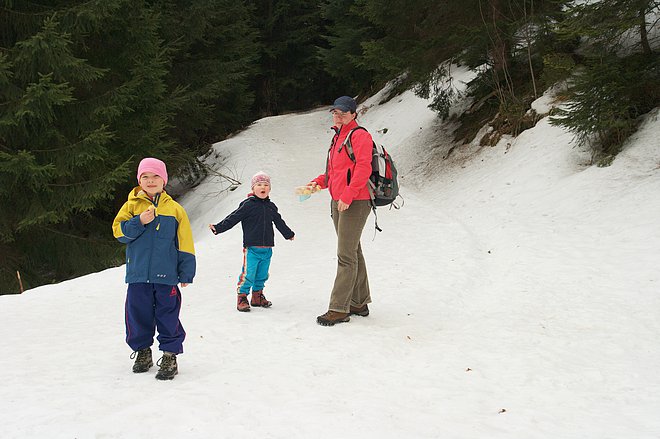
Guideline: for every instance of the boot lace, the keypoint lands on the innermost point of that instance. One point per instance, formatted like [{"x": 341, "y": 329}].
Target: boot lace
[
  {"x": 260, "y": 299},
  {"x": 166, "y": 362},
  {"x": 143, "y": 356}
]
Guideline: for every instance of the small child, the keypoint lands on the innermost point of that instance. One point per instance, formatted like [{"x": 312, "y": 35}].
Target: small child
[
  {"x": 256, "y": 215},
  {"x": 159, "y": 255}
]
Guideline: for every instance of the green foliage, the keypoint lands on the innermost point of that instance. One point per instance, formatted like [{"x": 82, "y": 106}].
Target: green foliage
[
  {"x": 73, "y": 120},
  {"x": 346, "y": 32},
  {"x": 619, "y": 77},
  {"x": 556, "y": 67},
  {"x": 607, "y": 97},
  {"x": 506, "y": 39},
  {"x": 213, "y": 53},
  {"x": 609, "y": 26},
  {"x": 413, "y": 37},
  {"x": 291, "y": 75},
  {"x": 88, "y": 88},
  {"x": 440, "y": 88}
]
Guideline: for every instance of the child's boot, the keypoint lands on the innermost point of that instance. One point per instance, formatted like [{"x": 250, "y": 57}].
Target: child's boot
[
  {"x": 258, "y": 299},
  {"x": 143, "y": 362},
  {"x": 168, "y": 367},
  {"x": 242, "y": 303}
]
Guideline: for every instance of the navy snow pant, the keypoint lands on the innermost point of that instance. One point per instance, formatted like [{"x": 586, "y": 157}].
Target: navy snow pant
[{"x": 150, "y": 306}]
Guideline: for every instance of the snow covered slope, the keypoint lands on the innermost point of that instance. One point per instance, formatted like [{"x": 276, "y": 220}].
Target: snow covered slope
[{"x": 515, "y": 296}]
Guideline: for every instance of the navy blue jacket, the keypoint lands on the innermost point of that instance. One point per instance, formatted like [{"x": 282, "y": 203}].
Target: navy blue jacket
[{"x": 257, "y": 217}]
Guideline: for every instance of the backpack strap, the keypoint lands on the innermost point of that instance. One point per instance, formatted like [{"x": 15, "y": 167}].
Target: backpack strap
[
  {"x": 371, "y": 187},
  {"x": 373, "y": 207},
  {"x": 349, "y": 150},
  {"x": 347, "y": 143}
]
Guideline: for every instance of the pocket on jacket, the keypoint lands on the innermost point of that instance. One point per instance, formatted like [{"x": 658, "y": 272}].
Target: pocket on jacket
[{"x": 166, "y": 228}]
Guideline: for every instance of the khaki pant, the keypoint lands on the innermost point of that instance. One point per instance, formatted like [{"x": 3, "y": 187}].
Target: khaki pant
[{"x": 351, "y": 283}]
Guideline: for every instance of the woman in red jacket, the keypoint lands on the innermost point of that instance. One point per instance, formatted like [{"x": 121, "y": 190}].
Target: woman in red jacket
[{"x": 346, "y": 179}]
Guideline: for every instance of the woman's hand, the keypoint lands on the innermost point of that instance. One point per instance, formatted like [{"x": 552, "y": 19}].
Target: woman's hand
[
  {"x": 341, "y": 206},
  {"x": 212, "y": 228},
  {"x": 183, "y": 284},
  {"x": 313, "y": 186}
]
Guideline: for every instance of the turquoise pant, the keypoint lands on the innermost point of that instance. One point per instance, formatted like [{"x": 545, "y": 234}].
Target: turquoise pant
[{"x": 256, "y": 261}]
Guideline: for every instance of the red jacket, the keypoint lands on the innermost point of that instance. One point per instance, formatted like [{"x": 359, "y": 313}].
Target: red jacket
[{"x": 347, "y": 181}]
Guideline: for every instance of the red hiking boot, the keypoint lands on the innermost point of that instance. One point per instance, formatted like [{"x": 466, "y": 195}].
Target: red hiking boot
[
  {"x": 242, "y": 303},
  {"x": 258, "y": 299}
]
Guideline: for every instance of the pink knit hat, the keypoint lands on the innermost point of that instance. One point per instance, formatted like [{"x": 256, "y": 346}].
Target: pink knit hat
[
  {"x": 260, "y": 177},
  {"x": 151, "y": 164}
]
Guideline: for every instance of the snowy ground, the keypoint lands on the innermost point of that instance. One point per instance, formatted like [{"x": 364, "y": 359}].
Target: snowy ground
[{"x": 516, "y": 295}]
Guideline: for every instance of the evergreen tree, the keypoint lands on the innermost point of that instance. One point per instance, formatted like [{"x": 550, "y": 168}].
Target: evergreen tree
[
  {"x": 619, "y": 76},
  {"x": 83, "y": 97},
  {"x": 613, "y": 26},
  {"x": 346, "y": 30},
  {"x": 607, "y": 98},
  {"x": 214, "y": 59},
  {"x": 414, "y": 36},
  {"x": 291, "y": 75},
  {"x": 515, "y": 36}
]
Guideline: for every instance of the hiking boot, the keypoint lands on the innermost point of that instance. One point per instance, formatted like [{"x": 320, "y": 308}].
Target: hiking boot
[
  {"x": 258, "y": 299},
  {"x": 362, "y": 311},
  {"x": 143, "y": 362},
  {"x": 333, "y": 317},
  {"x": 242, "y": 303},
  {"x": 168, "y": 367}
]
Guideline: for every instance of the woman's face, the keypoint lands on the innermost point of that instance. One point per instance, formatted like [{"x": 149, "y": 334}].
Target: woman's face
[{"x": 340, "y": 118}]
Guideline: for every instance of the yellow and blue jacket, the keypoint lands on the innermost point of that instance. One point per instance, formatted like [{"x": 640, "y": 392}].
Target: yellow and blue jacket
[{"x": 162, "y": 251}]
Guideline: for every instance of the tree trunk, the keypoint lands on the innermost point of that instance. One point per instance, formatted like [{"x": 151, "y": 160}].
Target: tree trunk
[
  {"x": 500, "y": 46},
  {"x": 646, "y": 47}
]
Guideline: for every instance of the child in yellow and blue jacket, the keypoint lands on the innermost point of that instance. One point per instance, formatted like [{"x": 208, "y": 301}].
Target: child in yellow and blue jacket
[{"x": 159, "y": 255}]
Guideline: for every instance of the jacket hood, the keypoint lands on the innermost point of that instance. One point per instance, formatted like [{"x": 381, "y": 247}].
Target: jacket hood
[{"x": 139, "y": 193}]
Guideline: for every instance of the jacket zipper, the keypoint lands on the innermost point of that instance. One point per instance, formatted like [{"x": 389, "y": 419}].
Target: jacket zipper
[
  {"x": 263, "y": 229},
  {"x": 332, "y": 157},
  {"x": 153, "y": 237}
]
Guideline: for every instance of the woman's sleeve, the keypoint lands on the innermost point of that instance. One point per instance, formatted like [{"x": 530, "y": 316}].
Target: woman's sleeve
[{"x": 321, "y": 181}]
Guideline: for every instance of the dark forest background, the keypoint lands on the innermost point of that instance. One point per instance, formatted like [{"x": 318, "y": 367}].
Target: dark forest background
[{"x": 88, "y": 88}]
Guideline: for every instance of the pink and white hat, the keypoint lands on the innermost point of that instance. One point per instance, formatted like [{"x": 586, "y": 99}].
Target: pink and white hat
[
  {"x": 260, "y": 177},
  {"x": 151, "y": 164}
]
